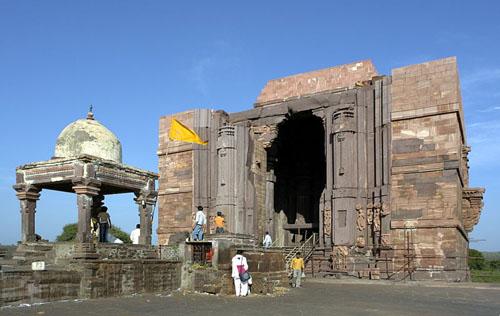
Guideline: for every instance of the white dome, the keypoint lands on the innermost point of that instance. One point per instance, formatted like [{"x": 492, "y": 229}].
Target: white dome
[{"x": 88, "y": 137}]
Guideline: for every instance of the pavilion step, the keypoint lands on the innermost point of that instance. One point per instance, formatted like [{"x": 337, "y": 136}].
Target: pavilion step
[
  {"x": 35, "y": 247},
  {"x": 27, "y": 253}
]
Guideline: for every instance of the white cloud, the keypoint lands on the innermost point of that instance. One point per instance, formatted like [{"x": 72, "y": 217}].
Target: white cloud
[
  {"x": 222, "y": 57},
  {"x": 482, "y": 76},
  {"x": 484, "y": 138},
  {"x": 199, "y": 73},
  {"x": 490, "y": 109}
]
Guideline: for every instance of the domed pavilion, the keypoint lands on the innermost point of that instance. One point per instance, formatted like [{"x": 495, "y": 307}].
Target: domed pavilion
[{"x": 88, "y": 162}]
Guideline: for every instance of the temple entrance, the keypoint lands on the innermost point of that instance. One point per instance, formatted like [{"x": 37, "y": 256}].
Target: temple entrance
[{"x": 298, "y": 160}]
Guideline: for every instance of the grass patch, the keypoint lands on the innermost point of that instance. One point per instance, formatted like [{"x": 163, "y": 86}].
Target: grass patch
[
  {"x": 198, "y": 266},
  {"x": 487, "y": 276}
]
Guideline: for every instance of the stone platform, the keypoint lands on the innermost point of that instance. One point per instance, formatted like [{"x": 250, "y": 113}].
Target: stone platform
[{"x": 119, "y": 270}]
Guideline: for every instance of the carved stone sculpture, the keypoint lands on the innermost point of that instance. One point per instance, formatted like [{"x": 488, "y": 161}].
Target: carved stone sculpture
[
  {"x": 340, "y": 253},
  {"x": 369, "y": 216},
  {"x": 327, "y": 223},
  {"x": 385, "y": 209},
  {"x": 361, "y": 220},
  {"x": 360, "y": 242},
  {"x": 376, "y": 219},
  {"x": 386, "y": 240}
]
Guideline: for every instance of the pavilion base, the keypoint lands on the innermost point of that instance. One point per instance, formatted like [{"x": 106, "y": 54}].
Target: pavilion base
[
  {"x": 85, "y": 251},
  {"x": 121, "y": 269}
]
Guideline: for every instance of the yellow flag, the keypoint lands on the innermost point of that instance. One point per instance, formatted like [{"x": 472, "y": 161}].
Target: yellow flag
[{"x": 180, "y": 132}]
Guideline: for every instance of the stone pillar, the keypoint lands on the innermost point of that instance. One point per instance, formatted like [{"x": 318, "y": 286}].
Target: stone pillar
[
  {"x": 85, "y": 190},
  {"x": 146, "y": 200},
  {"x": 27, "y": 195},
  {"x": 270, "y": 181},
  {"x": 226, "y": 191},
  {"x": 345, "y": 175}
]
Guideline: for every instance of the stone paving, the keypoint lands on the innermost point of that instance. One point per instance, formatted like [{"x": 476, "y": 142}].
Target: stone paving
[{"x": 317, "y": 297}]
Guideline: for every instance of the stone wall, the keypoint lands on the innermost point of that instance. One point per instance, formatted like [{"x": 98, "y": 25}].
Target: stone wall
[
  {"x": 175, "y": 196},
  {"x": 28, "y": 286},
  {"x": 125, "y": 251},
  {"x": 89, "y": 279},
  {"x": 427, "y": 170},
  {"x": 265, "y": 267},
  {"x": 344, "y": 76},
  {"x": 121, "y": 277}
]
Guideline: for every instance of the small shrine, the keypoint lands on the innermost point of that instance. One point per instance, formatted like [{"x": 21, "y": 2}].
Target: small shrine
[{"x": 88, "y": 162}]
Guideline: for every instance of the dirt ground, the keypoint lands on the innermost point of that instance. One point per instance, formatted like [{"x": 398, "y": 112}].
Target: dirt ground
[{"x": 317, "y": 297}]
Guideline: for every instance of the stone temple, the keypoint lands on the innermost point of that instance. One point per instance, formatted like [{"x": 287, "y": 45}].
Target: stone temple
[{"x": 366, "y": 173}]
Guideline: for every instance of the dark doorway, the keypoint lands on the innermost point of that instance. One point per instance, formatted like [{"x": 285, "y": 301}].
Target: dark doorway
[{"x": 298, "y": 157}]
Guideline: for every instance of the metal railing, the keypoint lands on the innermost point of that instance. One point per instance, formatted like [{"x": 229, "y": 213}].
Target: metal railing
[{"x": 306, "y": 248}]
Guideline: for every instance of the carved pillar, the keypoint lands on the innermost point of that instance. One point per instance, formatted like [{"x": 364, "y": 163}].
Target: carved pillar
[
  {"x": 226, "y": 191},
  {"x": 85, "y": 190},
  {"x": 270, "y": 181},
  {"x": 146, "y": 200},
  {"x": 325, "y": 216},
  {"x": 27, "y": 195},
  {"x": 344, "y": 174}
]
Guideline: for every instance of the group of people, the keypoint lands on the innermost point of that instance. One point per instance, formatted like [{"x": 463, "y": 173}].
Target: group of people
[
  {"x": 200, "y": 222},
  {"x": 243, "y": 280},
  {"x": 101, "y": 224},
  {"x": 239, "y": 265}
]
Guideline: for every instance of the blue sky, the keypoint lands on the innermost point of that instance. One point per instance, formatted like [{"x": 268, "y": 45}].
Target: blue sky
[{"x": 138, "y": 60}]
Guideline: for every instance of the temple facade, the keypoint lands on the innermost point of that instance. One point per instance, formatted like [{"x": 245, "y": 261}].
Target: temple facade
[{"x": 370, "y": 170}]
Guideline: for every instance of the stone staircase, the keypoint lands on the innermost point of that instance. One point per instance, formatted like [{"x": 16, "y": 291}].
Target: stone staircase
[{"x": 306, "y": 249}]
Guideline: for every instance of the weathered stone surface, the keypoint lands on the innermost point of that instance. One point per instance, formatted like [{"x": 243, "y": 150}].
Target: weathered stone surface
[
  {"x": 89, "y": 279},
  {"x": 428, "y": 168},
  {"x": 265, "y": 267},
  {"x": 88, "y": 137},
  {"x": 344, "y": 76},
  {"x": 175, "y": 196}
]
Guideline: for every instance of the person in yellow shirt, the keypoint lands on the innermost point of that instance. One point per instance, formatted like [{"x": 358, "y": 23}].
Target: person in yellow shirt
[
  {"x": 219, "y": 223},
  {"x": 297, "y": 266}
]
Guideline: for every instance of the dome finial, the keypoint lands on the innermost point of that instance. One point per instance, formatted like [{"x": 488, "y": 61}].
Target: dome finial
[{"x": 90, "y": 114}]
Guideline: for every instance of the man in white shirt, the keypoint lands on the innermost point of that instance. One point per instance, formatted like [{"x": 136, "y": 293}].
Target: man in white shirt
[
  {"x": 267, "y": 241},
  {"x": 200, "y": 221},
  {"x": 134, "y": 235},
  {"x": 239, "y": 265}
]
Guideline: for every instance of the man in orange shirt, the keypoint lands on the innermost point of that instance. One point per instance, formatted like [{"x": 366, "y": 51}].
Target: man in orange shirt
[{"x": 219, "y": 223}]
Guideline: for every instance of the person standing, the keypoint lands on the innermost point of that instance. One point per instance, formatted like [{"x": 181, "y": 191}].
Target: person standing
[
  {"x": 104, "y": 224},
  {"x": 219, "y": 223},
  {"x": 200, "y": 221},
  {"x": 297, "y": 266},
  {"x": 239, "y": 266},
  {"x": 267, "y": 241},
  {"x": 135, "y": 234}
]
